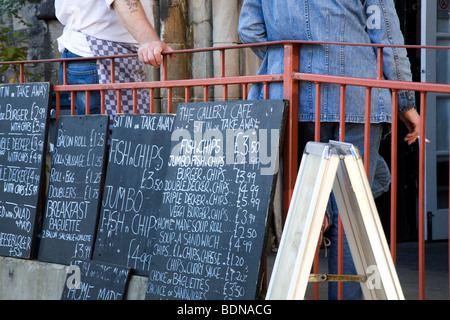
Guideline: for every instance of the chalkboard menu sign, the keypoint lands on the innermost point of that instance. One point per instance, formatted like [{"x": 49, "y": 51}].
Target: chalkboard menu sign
[
  {"x": 24, "y": 118},
  {"x": 137, "y": 162},
  {"x": 74, "y": 193},
  {"x": 209, "y": 236},
  {"x": 93, "y": 280}
]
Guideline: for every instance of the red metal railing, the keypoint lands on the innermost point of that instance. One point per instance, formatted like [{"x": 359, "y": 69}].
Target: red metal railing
[{"x": 290, "y": 79}]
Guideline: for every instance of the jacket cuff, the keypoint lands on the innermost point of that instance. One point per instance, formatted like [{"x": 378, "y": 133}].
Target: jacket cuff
[{"x": 406, "y": 100}]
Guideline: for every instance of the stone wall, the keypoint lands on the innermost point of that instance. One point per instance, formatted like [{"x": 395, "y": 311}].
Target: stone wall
[{"x": 35, "y": 280}]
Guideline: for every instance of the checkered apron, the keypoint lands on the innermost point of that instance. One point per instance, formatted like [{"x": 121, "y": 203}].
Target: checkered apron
[{"x": 127, "y": 69}]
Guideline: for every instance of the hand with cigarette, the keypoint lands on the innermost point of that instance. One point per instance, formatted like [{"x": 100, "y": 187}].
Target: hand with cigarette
[{"x": 411, "y": 119}]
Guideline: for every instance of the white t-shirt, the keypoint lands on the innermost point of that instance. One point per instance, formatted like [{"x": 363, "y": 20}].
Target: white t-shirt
[{"x": 94, "y": 18}]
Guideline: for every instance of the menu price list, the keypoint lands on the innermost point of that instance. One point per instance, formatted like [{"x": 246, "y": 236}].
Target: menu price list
[
  {"x": 74, "y": 194},
  {"x": 212, "y": 224},
  {"x": 24, "y": 116}
]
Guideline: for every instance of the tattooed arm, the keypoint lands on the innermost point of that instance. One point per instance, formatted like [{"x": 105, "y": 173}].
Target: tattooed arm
[{"x": 132, "y": 16}]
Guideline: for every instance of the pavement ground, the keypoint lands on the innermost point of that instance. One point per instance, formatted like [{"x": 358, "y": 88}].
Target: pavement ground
[{"x": 436, "y": 271}]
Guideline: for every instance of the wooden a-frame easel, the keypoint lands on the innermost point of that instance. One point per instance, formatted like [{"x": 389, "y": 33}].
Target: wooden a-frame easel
[{"x": 336, "y": 167}]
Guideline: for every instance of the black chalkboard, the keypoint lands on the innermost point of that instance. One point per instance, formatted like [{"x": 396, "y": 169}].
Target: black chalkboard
[
  {"x": 137, "y": 161},
  {"x": 93, "y": 280},
  {"x": 210, "y": 234},
  {"x": 74, "y": 192},
  {"x": 24, "y": 119}
]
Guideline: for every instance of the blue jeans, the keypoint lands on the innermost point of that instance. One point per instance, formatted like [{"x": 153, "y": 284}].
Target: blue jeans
[
  {"x": 354, "y": 134},
  {"x": 82, "y": 72}
]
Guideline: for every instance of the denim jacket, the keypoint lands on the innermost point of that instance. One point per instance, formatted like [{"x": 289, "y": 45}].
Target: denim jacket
[{"x": 352, "y": 21}]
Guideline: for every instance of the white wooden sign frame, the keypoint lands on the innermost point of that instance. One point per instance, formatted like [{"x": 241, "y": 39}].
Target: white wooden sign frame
[{"x": 336, "y": 167}]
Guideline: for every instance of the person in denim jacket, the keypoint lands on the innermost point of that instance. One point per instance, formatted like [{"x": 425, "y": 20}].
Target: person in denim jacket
[{"x": 340, "y": 21}]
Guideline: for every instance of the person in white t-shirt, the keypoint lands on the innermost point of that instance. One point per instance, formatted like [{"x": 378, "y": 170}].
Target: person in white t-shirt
[{"x": 108, "y": 27}]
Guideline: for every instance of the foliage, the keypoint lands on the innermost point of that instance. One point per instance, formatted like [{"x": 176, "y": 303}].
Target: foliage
[
  {"x": 13, "y": 43},
  {"x": 12, "y": 48},
  {"x": 12, "y": 7}
]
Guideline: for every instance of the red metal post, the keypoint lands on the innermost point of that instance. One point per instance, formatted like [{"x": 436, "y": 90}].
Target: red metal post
[
  {"x": 290, "y": 160},
  {"x": 187, "y": 94},
  {"x": 317, "y": 139},
  {"x": 58, "y": 104},
  {"x": 225, "y": 92},
  {"x": 380, "y": 63},
  {"x": 222, "y": 75},
  {"x": 113, "y": 70},
  {"x": 22, "y": 73},
  {"x": 169, "y": 100},
  {"x": 102, "y": 101},
  {"x": 340, "y": 266},
  {"x": 318, "y": 111},
  {"x": 152, "y": 100},
  {"x": 423, "y": 106},
  {"x": 244, "y": 91},
  {"x": 134, "y": 100},
  {"x": 169, "y": 89},
  {"x": 342, "y": 113},
  {"x": 65, "y": 81},
  {"x": 72, "y": 102},
  {"x": 205, "y": 93},
  {"x": 394, "y": 136},
  {"x": 88, "y": 102},
  {"x": 266, "y": 90},
  {"x": 368, "y": 108},
  {"x": 164, "y": 66},
  {"x": 119, "y": 101}
]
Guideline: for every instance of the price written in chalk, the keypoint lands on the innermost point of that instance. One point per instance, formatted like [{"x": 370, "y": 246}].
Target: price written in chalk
[
  {"x": 212, "y": 218},
  {"x": 24, "y": 117}
]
